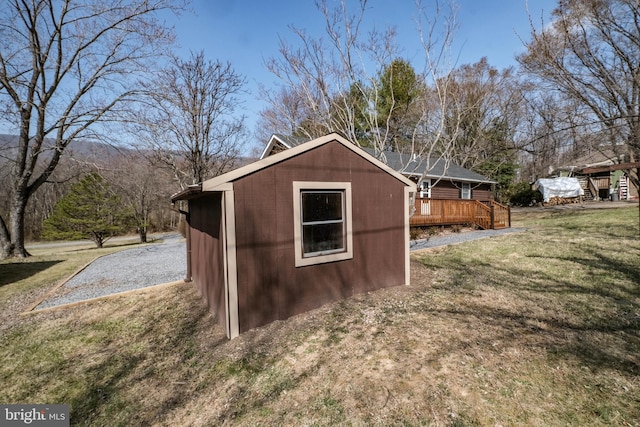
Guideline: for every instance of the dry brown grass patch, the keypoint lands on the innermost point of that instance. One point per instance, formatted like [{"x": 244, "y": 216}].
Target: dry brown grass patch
[{"x": 536, "y": 328}]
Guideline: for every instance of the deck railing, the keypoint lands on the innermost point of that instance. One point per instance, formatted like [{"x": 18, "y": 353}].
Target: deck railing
[{"x": 486, "y": 215}]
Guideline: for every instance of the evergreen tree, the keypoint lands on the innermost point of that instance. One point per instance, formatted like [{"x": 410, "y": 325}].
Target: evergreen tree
[
  {"x": 399, "y": 88},
  {"x": 90, "y": 210}
]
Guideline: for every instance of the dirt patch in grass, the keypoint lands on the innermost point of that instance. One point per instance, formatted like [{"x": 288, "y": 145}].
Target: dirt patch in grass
[{"x": 535, "y": 328}]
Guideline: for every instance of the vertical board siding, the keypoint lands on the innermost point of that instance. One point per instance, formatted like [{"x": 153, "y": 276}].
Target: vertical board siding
[
  {"x": 256, "y": 248},
  {"x": 270, "y": 287},
  {"x": 207, "y": 248}
]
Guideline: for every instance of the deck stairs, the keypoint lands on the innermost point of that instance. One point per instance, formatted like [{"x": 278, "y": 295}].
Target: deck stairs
[
  {"x": 623, "y": 188},
  {"x": 584, "y": 183}
]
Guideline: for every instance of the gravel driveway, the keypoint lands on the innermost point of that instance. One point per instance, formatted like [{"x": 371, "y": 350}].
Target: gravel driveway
[
  {"x": 166, "y": 262},
  {"x": 125, "y": 270},
  {"x": 453, "y": 238}
]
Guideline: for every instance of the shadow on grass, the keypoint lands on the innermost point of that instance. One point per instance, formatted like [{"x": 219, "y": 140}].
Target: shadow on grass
[
  {"x": 112, "y": 245},
  {"x": 102, "y": 396},
  {"x": 626, "y": 263},
  {"x": 613, "y": 346},
  {"x": 14, "y": 272},
  {"x": 184, "y": 339},
  {"x": 594, "y": 319},
  {"x": 112, "y": 395}
]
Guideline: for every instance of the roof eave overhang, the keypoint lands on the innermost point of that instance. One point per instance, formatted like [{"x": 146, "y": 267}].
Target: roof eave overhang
[
  {"x": 450, "y": 178},
  {"x": 611, "y": 168},
  {"x": 191, "y": 192}
]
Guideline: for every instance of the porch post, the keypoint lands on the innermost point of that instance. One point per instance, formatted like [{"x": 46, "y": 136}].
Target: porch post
[{"x": 493, "y": 217}]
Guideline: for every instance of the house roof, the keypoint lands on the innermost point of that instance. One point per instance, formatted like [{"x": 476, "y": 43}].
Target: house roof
[
  {"x": 437, "y": 167},
  {"x": 594, "y": 158},
  {"x": 286, "y": 141},
  {"x": 224, "y": 182}
]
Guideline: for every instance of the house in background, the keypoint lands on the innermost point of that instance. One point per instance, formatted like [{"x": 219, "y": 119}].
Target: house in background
[
  {"x": 311, "y": 224},
  {"x": 602, "y": 175},
  {"x": 443, "y": 180},
  {"x": 447, "y": 194}
]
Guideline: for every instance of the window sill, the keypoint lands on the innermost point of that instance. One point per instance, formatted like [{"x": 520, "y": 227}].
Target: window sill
[{"x": 322, "y": 259}]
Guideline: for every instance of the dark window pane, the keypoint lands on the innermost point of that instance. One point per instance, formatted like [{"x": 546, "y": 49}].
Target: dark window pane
[
  {"x": 322, "y": 237},
  {"x": 325, "y": 206}
]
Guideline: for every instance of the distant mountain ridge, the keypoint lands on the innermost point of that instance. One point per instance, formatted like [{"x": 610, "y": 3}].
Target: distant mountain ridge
[{"x": 81, "y": 148}]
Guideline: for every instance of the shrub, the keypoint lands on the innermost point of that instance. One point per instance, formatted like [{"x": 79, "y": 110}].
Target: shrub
[
  {"x": 521, "y": 194},
  {"x": 432, "y": 231}
]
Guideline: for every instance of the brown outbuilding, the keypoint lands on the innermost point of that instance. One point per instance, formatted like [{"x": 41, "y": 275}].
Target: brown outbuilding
[{"x": 301, "y": 228}]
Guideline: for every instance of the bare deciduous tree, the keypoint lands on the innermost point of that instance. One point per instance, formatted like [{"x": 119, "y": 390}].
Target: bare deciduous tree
[
  {"x": 483, "y": 111},
  {"x": 143, "y": 189},
  {"x": 324, "y": 73},
  {"x": 590, "y": 53},
  {"x": 481, "y": 118},
  {"x": 65, "y": 66},
  {"x": 346, "y": 81},
  {"x": 285, "y": 113},
  {"x": 551, "y": 132},
  {"x": 189, "y": 118}
]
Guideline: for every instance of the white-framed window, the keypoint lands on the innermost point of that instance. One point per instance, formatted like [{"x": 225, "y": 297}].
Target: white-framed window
[
  {"x": 425, "y": 188},
  {"x": 465, "y": 191},
  {"x": 322, "y": 222}
]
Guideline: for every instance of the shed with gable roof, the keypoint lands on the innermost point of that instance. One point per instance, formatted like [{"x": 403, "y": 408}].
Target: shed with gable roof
[{"x": 315, "y": 223}]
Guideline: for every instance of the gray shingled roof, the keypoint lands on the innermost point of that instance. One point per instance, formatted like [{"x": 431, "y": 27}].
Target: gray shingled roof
[{"x": 438, "y": 168}]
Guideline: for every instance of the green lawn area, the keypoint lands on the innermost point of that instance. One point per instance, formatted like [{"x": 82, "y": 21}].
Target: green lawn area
[{"x": 535, "y": 328}]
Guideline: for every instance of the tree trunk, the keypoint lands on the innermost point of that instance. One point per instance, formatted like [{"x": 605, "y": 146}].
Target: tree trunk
[
  {"x": 637, "y": 185},
  {"x": 6, "y": 248},
  {"x": 16, "y": 226},
  {"x": 142, "y": 231}
]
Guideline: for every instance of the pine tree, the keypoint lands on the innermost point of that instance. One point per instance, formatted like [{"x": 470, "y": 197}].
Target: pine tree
[{"x": 90, "y": 210}]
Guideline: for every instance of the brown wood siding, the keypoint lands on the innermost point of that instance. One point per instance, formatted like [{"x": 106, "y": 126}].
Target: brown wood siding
[
  {"x": 270, "y": 287},
  {"x": 451, "y": 190},
  {"x": 257, "y": 245},
  {"x": 207, "y": 246},
  {"x": 481, "y": 192}
]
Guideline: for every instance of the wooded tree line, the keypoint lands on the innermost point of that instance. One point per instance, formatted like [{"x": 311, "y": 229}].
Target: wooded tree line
[
  {"x": 576, "y": 90},
  {"x": 104, "y": 71},
  {"x": 81, "y": 72},
  {"x": 134, "y": 188}
]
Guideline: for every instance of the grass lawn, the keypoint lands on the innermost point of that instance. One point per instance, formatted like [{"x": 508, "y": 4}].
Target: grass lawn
[{"x": 534, "y": 328}]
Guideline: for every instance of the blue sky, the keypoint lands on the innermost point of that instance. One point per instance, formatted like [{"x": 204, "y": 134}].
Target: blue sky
[{"x": 246, "y": 32}]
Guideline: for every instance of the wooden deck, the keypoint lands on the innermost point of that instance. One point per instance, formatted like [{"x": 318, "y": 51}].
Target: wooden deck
[{"x": 486, "y": 215}]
